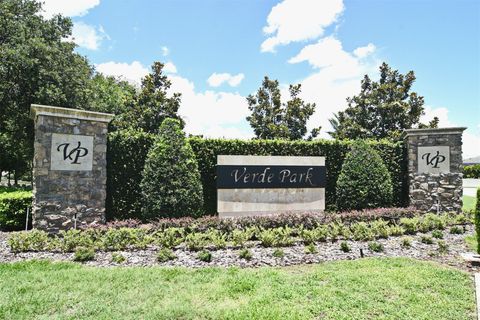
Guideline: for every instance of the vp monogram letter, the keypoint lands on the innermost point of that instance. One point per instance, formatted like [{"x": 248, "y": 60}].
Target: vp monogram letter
[
  {"x": 433, "y": 161},
  {"x": 73, "y": 154}
]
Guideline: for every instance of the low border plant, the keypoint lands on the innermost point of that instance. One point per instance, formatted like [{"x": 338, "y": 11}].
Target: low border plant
[
  {"x": 426, "y": 240},
  {"x": 278, "y": 253},
  {"x": 120, "y": 237},
  {"x": 205, "y": 256},
  {"x": 310, "y": 249},
  {"x": 165, "y": 255},
  {"x": 406, "y": 242},
  {"x": 83, "y": 254},
  {"x": 375, "y": 246},
  {"x": 345, "y": 247},
  {"x": 245, "y": 254},
  {"x": 118, "y": 258}
]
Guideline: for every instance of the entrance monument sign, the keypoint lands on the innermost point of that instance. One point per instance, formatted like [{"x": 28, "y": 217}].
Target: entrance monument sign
[
  {"x": 435, "y": 168},
  {"x": 69, "y": 167},
  {"x": 257, "y": 185}
]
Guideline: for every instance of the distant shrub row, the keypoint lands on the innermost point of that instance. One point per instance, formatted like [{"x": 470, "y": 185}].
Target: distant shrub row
[
  {"x": 128, "y": 151},
  {"x": 13, "y": 205},
  {"x": 472, "y": 171}
]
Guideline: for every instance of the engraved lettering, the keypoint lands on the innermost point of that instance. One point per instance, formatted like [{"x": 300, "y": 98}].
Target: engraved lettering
[
  {"x": 236, "y": 176},
  {"x": 73, "y": 154},
  {"x": 284, "y": 174},
  {"x": 433, "y": 161},
  {"x": 309, "y": 176}
]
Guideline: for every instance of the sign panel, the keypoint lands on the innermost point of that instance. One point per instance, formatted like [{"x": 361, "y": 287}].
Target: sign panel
[
  {"x": 71, "y": 152},
  {"x": 256, "y": 185},
  {"x": 434, "y": 159},
  {"x": 258, "y": 177}
]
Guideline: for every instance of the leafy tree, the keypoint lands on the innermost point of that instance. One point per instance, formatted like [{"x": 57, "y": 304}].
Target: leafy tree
[
  {"x": 383, "y": 109},
  {"x": 153, "y": 104},
  {"x": 171, "y": 184},
  {"x": 364, "y": 181},
  {"x": 111, "y": 95},
  {"x": 37, "y": 65},
  {"x": 272, "y": 119}
]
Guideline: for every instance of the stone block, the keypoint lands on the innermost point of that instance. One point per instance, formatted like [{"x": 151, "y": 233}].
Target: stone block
[
  {"x": 62, "y": 183},
  {"x": 444, "y": 176}
]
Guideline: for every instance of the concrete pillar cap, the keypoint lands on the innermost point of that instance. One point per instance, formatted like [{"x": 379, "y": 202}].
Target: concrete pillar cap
[{"x": 37, "y": 110}]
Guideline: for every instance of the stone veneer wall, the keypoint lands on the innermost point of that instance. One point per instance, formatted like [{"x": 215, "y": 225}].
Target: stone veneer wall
[
  {"x": 65, "y": 198},
  {"x": 432, "y": 191}
]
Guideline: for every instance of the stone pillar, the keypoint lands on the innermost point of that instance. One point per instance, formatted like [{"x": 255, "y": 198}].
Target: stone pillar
[
  {"x": 69, "y": 167},
  {"x": 435, "y": 168}
]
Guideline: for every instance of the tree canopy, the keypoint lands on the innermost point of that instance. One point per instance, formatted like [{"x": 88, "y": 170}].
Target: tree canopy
[
  {"x": 152, "y": 104},
  {"x": 382, "y": 109},
  {"x": 37, "y": 65},
  {"x": 272, "y": 119}
]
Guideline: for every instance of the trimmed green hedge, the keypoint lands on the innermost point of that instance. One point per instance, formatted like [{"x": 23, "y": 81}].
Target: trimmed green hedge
[
  {"x": 206, "y": 151},
  {"x": 13, "y": 205},
  {"x": 128, "y": 150},
  {"x": 472, "y": 171}
]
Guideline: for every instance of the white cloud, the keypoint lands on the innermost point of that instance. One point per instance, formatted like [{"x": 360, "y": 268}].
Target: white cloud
[
  {"x": 217, "y": 79},
  {"x": 363, "y": 52},
  {"x": 132, "y": 72},
  {"x": 210, "y": 113},
  {"x": 338, "y": 75},
  {"x": 471, "y": 136},
  {"x": 83, "y": 35},
  {"x": 170, "y": 67},
  {"x": 88, "y": 36},
  {"x": 69, "y": 8},
  {"x": 165, "y": 51},
  {"x": 441, "y": 113},
  {"x": 299, "y": 20},
  {"x": 328, "y": 53}
]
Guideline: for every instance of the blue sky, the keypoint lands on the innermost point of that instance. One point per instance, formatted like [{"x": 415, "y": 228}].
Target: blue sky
[{"x": 217, "y": 52}]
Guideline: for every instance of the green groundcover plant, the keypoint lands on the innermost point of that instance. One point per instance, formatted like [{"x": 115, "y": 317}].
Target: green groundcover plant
[{"x": 194, "y": 239}]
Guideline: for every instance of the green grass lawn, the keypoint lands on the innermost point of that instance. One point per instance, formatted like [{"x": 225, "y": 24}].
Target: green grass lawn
[
  {"x": 393, "y": 288},
  {"x": 469, "y": 202},
  {"x": 471, "y": 241}
]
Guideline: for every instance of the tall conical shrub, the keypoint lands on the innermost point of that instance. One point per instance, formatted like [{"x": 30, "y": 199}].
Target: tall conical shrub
[
  {"x": 171, "y": 184},
  {"x": 364, "y": 181}
]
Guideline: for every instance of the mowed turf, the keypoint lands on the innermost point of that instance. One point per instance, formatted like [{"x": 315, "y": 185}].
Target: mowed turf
[
  {"x": 469, "y": 202},
  {"x": 386, "y": 288}
]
